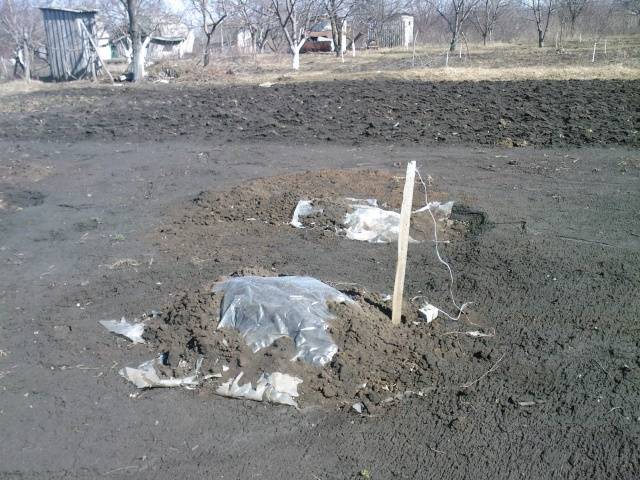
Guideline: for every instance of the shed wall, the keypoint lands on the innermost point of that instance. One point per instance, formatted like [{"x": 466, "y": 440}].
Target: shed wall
[{"x": 68, "y": 48}]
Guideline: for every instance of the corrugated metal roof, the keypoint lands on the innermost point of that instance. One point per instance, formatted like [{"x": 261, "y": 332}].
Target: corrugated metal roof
[
  {"x": 161, "y": 39},
  {"x": 70, "y": 10}
]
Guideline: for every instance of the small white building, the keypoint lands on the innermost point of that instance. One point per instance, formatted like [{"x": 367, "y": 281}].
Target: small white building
[
  {"x": 103, "y": 41},
  {"x": 396, "y": 31}
]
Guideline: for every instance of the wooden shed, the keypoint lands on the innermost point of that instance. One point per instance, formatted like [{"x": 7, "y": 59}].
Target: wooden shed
[{"x": 69, "y": 35}]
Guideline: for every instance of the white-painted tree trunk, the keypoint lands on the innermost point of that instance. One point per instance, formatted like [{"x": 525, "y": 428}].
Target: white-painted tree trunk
[
  {"x": 295, "y": 64},
  {"x": 139, "y": 58}
]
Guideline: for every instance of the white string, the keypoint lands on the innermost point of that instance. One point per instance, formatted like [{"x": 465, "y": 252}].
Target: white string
[{"x": 435, "y": 239}]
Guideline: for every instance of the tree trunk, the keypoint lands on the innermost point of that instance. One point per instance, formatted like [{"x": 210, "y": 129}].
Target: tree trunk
[
  {"x": 484, "y": 38},
  {"x": 335, "y": 34},
  {"x": 138, "y": 58},
  {"x": 207, "y": 50},
  {"x": 26, "y": 59},
  {"x": 454, "y": 41},
  {"x": 295, "y": 64},
  {"x": 136, "y": 41},
  {"x": 572, "y": 26},
  {"x": 540, "y": 38}
]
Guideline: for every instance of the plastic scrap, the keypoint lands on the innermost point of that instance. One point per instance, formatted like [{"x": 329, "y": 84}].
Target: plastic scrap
[
  {"x": 275, "y": 388},
  {"x": 132, "y": 331},
  {"x": 372, "y": 224},
  {"x": 429, "y": 312},
  {"x": 362, "y": 202},
  {"x": 304, "y": 208},
  {"x": 477, "y": 333},
  {"x": 264, "y": 309},
  {"x": 146, "y": 376},
  {"x": 366, "y": 221},
  {"x": 440, "y": 210}
]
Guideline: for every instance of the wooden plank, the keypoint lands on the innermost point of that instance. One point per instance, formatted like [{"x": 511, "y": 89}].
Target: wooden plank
[
  {"x": 95, "y": 48},
  {"x": 403, "y": 242}
]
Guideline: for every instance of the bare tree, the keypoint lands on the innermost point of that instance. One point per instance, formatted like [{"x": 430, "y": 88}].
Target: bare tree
[
  {"x": 294, "y": 17},
  {"x": 211, "y": 13},
  {"x": 424, "y": 13},
  {"x": 338, "y": 11},
  {"x": 542, "y": 11},
  {"x": 570, "y": 10},
  {"x": 135, "y": 21},
  {"x": 455, "y": 13},
  {"x": 486, "y": 16},
  {"x": 632, "y": 7},
  {"x": 258, "y": 17},
  {"x": 19, "y": 26}
]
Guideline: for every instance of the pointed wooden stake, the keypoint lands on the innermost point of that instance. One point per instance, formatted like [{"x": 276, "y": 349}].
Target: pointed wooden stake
[{"x": 403, "y": 242}]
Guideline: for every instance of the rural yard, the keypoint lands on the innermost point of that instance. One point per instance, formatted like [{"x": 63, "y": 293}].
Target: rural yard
[{"x": 119, "y": 201}]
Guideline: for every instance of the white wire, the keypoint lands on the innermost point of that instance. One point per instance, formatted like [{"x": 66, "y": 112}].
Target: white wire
[{"x": 435, "y": 238}]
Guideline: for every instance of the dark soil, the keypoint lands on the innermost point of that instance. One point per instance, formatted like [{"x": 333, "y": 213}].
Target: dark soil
[
  {"x": 549, "y": 254},
  {"x": 538, "y": 113}
]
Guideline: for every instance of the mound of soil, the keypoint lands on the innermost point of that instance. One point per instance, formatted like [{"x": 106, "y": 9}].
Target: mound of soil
[
  {"x": 375, "y": 364},
  {"x": 264, "y": 207}
]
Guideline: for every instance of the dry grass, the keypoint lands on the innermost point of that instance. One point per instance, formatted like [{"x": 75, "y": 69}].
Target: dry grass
[
  {"x": 499, "y": 61},
  {"x": 494, "y": 62}
]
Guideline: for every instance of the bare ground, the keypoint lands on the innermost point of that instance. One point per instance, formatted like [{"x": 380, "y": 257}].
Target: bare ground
[{"x": 83, "y": 236}]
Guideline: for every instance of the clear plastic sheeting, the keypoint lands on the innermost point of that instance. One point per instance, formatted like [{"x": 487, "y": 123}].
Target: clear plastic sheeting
[
  {"x": 146, "y": 376},
  {"x": 369, "y": 223},
  {"x": 372, "y": 224},
  {"x": 264, "y": 309},
  {"x": 275, "y": 388},
  {"x": 304, "y": 208},
  {"x": 132, "y": 331}
]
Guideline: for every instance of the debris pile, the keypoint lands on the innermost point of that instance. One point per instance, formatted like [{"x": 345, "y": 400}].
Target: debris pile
[{"x": 374, "y": 362}]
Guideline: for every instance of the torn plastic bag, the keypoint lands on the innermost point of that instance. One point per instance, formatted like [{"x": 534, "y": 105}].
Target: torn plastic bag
[
  {"x": 264, "y": 309},
  {"x": 304, "y": 208},
  {"x": 146, "y": 376},
  {"x": 132, "y": 331},
  {"x": 373, "y": 225},
  {"x": 275, "y": 388},
  {"x": 441, "y": 211}
]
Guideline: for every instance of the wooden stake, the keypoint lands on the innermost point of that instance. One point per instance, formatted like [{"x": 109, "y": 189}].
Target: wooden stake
[
  {"x": 413, "y": 59},
  {"x": 403, "y": 242}
]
